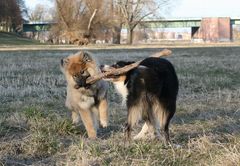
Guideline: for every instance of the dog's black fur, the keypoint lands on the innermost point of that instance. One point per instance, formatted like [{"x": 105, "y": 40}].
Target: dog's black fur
[{"x": 152, "y": 92}]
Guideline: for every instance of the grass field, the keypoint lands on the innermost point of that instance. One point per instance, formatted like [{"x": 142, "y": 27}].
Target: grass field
[
  {"x": 35, "y": 126},
  {"x": 14, "y": 39}
]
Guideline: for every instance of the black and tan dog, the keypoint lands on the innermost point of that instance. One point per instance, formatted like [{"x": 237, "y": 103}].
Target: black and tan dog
[
  {"x": 150, "y": 92},
  {"x": 86, "y": 101}
]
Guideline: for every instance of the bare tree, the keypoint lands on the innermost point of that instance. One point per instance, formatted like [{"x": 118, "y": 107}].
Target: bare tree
[
  {"x": 23, "y": 8},
  {"x": 82, "y": 19},
  {"x": 116, "y": 21},
  {"x": 134, "y": 11},
  {"x": 70, "y": 20},
  {"x": 37, "y": 14},
  {"x": 40, "y": 13},
  {"x": 90, "y": 19},
  {"x": 10, "y": 15}
]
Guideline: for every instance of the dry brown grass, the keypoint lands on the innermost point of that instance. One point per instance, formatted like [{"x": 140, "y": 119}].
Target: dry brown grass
[
  {"x": 35, "y": 128},
  {"x": 164, "y": 44}
]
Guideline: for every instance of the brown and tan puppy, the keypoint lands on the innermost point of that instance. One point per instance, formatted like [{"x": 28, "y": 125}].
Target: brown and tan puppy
[{"x": 84, "y": 100}]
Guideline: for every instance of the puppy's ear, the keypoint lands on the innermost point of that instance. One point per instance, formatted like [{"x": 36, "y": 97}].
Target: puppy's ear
[{"x": 85, "y": 56}]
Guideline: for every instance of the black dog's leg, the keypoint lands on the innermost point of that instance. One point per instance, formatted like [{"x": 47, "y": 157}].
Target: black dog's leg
[
  {"x": 165, "y": 121},
  {"x": 128, "y": 131}
]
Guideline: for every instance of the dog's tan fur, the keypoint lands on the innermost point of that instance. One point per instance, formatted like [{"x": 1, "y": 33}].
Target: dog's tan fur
[{"x": 88, "y": 103}]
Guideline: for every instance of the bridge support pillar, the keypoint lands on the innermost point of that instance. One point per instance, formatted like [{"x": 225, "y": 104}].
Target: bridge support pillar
[{"x": 213, "y": 30}]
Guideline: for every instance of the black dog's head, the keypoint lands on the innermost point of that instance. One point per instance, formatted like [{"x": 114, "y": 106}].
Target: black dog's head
[
  {"x": 117, "y": 65},
  {"x": 120, "y": 64}
]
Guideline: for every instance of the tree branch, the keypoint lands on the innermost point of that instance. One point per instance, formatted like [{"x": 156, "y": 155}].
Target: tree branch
[
  {"x": 60, "y": 14},
  {"x": 91, "y": 19}
]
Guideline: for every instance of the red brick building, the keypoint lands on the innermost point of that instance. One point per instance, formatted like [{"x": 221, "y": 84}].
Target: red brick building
[{"x": 213, "y": 30}]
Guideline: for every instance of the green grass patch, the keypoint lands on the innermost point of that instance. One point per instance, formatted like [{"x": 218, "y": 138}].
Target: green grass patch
[{"x": 15, "y": 39}]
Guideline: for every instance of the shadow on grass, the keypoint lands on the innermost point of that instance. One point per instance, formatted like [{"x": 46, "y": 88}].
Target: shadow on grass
[
  {"x": 31, "y": 160},
  {"x": 105, "y": 133}
]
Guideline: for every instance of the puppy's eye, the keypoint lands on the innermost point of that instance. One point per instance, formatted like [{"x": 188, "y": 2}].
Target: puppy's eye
[
  {"x": 82, "y": 72},
  {"x": 75, "y": 76}
]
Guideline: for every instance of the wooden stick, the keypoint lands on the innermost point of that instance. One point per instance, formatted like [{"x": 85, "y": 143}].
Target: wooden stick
[{"x": 125, "y": 69}]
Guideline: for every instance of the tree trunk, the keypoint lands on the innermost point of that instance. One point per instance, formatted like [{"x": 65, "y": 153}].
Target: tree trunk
[
  {"x": 117, "y": 34},
  {"x": 130, "y": 36}
]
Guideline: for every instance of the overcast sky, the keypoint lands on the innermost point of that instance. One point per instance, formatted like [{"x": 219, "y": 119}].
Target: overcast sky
[
  {"x": 32, "y": 3},
  {"x": 206, "y": 8},
  {"x": 187, "y": 8}
]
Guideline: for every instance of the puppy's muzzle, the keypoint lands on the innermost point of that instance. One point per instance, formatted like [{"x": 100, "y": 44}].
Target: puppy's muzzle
[{"x": 81, "y": 82}]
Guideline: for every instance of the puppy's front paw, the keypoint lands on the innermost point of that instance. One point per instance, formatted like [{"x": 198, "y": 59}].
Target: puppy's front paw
[
  {"x": 75, "y": 118},
  {"x": 104, "y": 124}
]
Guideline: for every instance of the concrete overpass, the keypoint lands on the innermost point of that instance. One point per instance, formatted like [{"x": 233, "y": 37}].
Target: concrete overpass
[
  {"x": 158, "y": 23},
  {"x": 206, "y": 29},
  {"x": 180, "y": 22},
  {"x": 37, "y": 26},
  {"x": 213, "y": 29}
]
